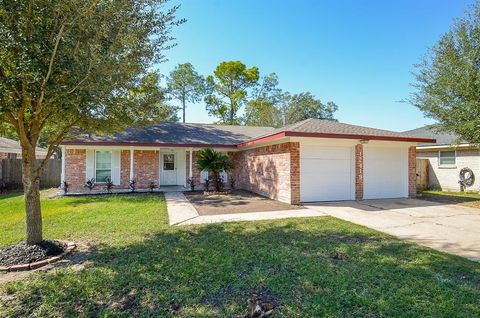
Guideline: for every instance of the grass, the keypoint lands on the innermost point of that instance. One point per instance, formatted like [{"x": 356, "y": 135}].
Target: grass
[
  {"x": 469, "y": 199},
  {"x": 145, "y": 268}
]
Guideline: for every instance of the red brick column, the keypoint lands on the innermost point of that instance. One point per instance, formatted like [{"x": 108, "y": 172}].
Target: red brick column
[
  {"x": 195, "y": 171},
  {"x": 75, "y": 168},
  {"x": 146, "y": 167},
  {"x": 359, "y": 172},
  {"x": 124, "y": 168},
  {"x": 295, "y": 172},
  {"x": 412, "y": 172}
]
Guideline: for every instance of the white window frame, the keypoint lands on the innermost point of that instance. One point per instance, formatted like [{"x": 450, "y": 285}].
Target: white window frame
[
  {"x": 95, "y": 164},
  {"x": 454, "y": 165}
]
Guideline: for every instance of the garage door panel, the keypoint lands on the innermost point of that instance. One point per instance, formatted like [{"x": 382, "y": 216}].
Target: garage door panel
[
  {"x": 384, "y": 173},
  {"x": 325, "y": 174}
]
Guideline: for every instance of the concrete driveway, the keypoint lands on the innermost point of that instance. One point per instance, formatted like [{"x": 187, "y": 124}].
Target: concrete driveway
[{"x": 450, "y": 228}]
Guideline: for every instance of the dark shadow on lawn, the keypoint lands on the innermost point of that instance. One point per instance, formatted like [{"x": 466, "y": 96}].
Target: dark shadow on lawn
[
  {"x": 209, "y": 271},
  {"x": 127, "y": 198}
]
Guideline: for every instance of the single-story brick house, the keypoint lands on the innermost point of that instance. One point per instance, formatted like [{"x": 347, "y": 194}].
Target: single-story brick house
[
  {"x": 312, "y": 160},
  {"x": 446, "y": 158},
  {"x": 11, "y": 149}
]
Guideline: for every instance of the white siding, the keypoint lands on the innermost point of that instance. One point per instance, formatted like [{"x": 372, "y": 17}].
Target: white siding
[
  {"x": 90, "y": 162},
  {"x": 116, "y": 167},
  {"x": 447, "y": 178}
]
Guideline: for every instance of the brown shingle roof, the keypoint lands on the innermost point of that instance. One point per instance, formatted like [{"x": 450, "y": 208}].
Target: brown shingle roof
[
  {"x": 333, "y": 129},
  {"x": 13, "y": 146},
  {"x": 177, "y": 134},
  {"x": 219, "y": 135}
]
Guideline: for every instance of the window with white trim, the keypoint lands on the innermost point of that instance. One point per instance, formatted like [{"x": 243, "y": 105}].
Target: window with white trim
[
  {"x": 103, "y": 166},
  {"x": 447, "y": 158}
]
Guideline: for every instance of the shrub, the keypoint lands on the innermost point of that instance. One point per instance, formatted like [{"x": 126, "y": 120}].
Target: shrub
[
  {"x": 90, "y": 184},
  {"x": 109, "y": 185},
  {"x": 191, "y": 183},
  {"x": 132, "y": 185},
  {"x": 65, "y": 186},
  {"x": 152, "y": 186}
]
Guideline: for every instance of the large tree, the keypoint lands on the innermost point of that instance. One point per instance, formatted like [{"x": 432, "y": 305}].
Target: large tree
[
  {"x": 264, "y": 107},
  {"x": 228, "y": 90},
  {"x": 448, "y": 79},
  {"x": 304, "y": 105},
  {"x": 185, "y": 85},
  {"x": 82, "y": 63}
]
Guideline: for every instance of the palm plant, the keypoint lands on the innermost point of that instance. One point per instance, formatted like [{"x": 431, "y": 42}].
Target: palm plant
[{"x": 214, "y": 162}]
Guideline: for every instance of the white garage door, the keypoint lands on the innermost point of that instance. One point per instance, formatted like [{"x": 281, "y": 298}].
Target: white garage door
[
  {"x": 385, "y": 173},
  {"x": 326, "y": 173}
]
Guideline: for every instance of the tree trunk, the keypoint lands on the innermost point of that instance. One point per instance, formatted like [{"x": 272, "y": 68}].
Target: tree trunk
[
  {"x": 31, "y": 189},
  {"x": 183, "y": 104},
  {"x": 215, "y": 180}
]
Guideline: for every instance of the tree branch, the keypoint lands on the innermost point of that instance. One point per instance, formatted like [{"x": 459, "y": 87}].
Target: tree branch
[
  {"x": 49, "y": 72},
  {"x": 82, "y": 81},
  {"x": 54, "y": 144}
]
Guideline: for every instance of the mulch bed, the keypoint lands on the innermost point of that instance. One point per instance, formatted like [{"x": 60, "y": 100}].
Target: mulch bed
[
  {"x": 20, "y": 256},
  {"x": 237, "y": 201}
]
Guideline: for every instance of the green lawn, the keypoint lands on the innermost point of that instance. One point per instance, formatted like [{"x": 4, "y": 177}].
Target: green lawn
[
  {"x": 462, "y": 198},
  {"x": 145, "y": 268}
]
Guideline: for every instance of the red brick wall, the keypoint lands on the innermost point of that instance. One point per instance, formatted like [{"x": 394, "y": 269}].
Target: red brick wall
[
  {"x": 124, "y": 168},
  {"x": 268, "y": 171},
  {"x": 75, "y": 168},
  {"x": 145, "y": 167},
  {"x": 358, "y": 172},
  {"x": 295, "y": 172},
  {"x": 412, "y": 172}
]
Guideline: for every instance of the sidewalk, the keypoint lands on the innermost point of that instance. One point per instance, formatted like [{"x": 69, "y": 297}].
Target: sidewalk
[{"x": 182, "y": 212}]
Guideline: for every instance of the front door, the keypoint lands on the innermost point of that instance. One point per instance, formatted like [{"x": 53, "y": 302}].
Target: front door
[{"x": 169, "y": 169}]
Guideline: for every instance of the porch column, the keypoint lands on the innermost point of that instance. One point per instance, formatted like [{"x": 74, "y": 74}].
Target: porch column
[
  {"x": 62, "y": 177},
  {"x": 190, "y": 170},
  {"x": 131, "y": 163}
]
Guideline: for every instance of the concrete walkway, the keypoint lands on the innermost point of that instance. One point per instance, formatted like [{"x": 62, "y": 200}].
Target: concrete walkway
[
  {"x": 450, "y": 228},
  {"x": 182, "y": 212},
  {"x": 179, "y": 208}
]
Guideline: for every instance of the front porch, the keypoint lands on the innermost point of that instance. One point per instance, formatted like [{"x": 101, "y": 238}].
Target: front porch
[{"x": 164, "y": 169}]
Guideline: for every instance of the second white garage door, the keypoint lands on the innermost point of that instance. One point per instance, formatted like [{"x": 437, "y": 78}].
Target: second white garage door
[
  {"x": 385, "y": 173},
  {"x": 326, "y": 173}
]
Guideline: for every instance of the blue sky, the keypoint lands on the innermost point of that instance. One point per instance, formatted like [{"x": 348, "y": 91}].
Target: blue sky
[{"x": 359, "y": 54}]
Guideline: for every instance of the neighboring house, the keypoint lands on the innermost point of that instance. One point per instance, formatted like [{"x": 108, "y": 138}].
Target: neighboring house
[
  {"x": 446, "y": 158},
  {"x": 312, "y": 160},
  {"x": 11, "y": 149}
]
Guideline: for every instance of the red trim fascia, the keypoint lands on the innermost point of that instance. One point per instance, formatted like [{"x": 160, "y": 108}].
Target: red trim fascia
[
  {"x": 262, "y": 139},
  {"x": 339, "y": 136},
  {"x": 366, "y": 137},
  {"x": 141, "y": 144}
]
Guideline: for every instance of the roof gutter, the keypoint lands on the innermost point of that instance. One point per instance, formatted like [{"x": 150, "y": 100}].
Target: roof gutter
[{"x": 141, "y": 144}]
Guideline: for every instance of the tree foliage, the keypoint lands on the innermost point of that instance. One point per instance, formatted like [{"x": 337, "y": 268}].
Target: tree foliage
[
  {"x": 214, "y": 162},
  {"x": 185, "y": 85},
  {"x": 264, "y": 108},
  {"x": 304, "y": 105},
  {"x": 83, "y": 63},
  {"x": 228, "y": 90},
  {"x": 448, "y": 79}
]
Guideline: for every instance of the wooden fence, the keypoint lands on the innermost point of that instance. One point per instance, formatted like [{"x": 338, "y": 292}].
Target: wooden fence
[
  {"x": 11, "y": 173},
  {"x": 422, "y": 174}
]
